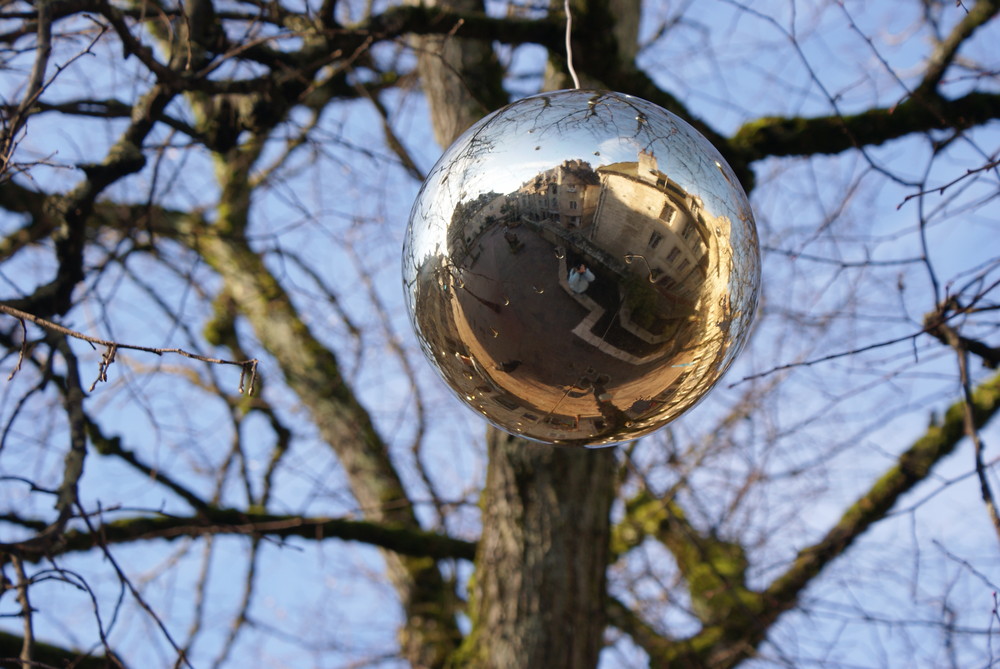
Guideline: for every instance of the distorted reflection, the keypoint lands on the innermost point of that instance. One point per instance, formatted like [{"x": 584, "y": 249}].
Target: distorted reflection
[{"x": 581, "y": 267}]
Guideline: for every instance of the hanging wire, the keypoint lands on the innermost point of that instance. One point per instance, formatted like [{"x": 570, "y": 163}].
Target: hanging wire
[{"x": 569, "y": 46}]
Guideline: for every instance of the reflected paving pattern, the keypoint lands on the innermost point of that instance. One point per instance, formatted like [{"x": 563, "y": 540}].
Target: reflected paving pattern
[{"x": 581, "y": 267}]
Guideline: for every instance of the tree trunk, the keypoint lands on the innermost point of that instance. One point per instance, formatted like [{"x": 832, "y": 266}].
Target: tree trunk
[
  {"x": 538, "y": 595},
  {"x": 539, "y": 590},
  {"x": 461, "y": 78}
]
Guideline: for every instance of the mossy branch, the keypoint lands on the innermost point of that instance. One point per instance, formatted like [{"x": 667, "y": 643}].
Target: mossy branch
[
  {"x": 727, "y": 641},
  {"x": 774, "y": 136},
  {"x": 625, "y": 619},
  {"x": 910, "y": 468},
  {"x": 944, "y": 55},
  {"x": 714, "y": 569}
]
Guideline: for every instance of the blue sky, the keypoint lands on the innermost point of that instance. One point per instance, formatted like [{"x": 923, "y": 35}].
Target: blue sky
[{"x": 825, "y": 432}]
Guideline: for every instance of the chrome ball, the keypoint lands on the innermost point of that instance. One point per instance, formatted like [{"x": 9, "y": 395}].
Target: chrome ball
[{"x": 581, "y": 267}]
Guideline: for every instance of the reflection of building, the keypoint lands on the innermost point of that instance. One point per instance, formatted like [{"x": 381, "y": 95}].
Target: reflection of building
[
  {"x": 644, "y": 213},
  {"x": 470, "y": 219},
  {"x": 519, "y": 346},
  {"x": 566, "y": 195}
]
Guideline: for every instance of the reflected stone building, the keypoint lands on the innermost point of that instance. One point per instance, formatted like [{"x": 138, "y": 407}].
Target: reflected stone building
[
  {"x": 529, "y": 353},
  {"x": 566, "y": 195},
  {"x": 642, "y": 213}
]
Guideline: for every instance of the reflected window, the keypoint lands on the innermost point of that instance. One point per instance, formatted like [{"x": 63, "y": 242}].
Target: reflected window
[
  {"x": 553, "y": 189},
  {"x": 688, "y": 231},
  {"x": 672, "y": 256},
  {"x": 684, "y": 265},
  {"x": 654, "y": 240},
  {"x": 667, "y": 213},
  {"x": 655, "y": 273},
  {"x": 561, "y": 421},
  {"x": 507, "y": 403},
  {"x": 572, "y": 204},
  {"x": 666, "y": 282}
]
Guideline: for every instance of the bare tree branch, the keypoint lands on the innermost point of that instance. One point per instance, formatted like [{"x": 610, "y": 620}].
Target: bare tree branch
[
  {"x": 249, "y": 367},
  {"x": 969, "y": 423},
  {"x": 982, "y": 12},
  {"x": 910, "y": 469},
  {"x": 48, "y": 655},
  {"x": 726, "y": 640},
  {"x": 215, "y": 521}
]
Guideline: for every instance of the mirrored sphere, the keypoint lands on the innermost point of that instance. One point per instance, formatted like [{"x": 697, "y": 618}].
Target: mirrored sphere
[{"x": 581, "y": 267}]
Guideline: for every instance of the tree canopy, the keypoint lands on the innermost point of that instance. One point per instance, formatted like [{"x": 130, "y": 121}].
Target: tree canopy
[{"x": 222, "y": 446}]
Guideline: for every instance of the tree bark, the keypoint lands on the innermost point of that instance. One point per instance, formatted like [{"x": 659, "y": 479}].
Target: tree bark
[
  {"x": 461, "y": 78},
  {"x": 538, "y": 595}
]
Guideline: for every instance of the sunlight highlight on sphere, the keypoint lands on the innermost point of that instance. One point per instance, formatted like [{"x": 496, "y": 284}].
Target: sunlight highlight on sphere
[{"x": 581, "y": 267}]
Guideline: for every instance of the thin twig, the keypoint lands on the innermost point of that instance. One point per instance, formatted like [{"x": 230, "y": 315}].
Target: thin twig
[
  {"x": 843, "y": 264},
  {"x": 24, "y": 347},
  {"x": 941, "y": 189},
  {"x": 136, "y": 595},
  {"x": 249, "y": 366},
  {"x": 970, "y": 426},
  {"x": 935, "y": 324},
  {"x": 36, "y": 84},
  {"x": 391, "y": 138},
  {"x": 108, "y": 358},
  {"x": 28, "y": 645},
  {"x": 827, "y": 358}
]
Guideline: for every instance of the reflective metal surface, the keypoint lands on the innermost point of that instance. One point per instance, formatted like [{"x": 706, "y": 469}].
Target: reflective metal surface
[{"x": 581, "y": 267}]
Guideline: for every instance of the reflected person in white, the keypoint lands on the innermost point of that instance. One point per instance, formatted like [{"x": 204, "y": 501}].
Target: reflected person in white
[{"x": 580, "y": 278}]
